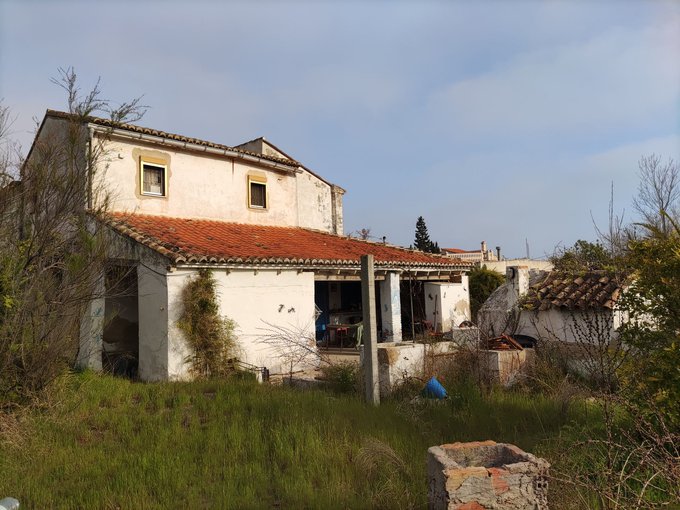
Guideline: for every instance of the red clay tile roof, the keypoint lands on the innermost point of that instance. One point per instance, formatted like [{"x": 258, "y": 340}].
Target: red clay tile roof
[
  {"x": 187, "y": 241},
  {"x": 170, "y": 136},
  {"x": 591, "y": 289}
]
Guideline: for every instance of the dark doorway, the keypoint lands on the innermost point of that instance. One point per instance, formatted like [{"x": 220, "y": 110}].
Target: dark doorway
[
  {"x": 339, "y": 305},
  {"x": 412, "y": 298},
  {"x": 322, "y": 308},
  {"x": 120, "y": 352}
]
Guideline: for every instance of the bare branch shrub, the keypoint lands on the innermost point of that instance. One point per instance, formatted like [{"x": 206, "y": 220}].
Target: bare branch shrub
[
  {"x": 52, "y": 250},
  {"x": 295, "y": 346},
  {"x": 634, "y": 464},
  {"x": 658, "y": 198}
]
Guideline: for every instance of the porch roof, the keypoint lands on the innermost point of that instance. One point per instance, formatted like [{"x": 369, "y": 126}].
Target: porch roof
[{"x": 187, "y": 241}]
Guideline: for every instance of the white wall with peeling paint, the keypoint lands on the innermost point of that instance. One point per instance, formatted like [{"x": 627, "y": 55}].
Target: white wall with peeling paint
[
  {"x": 447, "y": 304},
  {"x": 267, "y": 306},
  {"x": 214, "y": 187}
]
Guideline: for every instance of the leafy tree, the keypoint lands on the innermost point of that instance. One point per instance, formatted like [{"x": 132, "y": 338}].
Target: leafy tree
[
  {"x": 483, "y": 282},
  {"x": 583, "y": 256},
  {"x": 422, "y": 240},
  {"x": 653, "y": 328}
]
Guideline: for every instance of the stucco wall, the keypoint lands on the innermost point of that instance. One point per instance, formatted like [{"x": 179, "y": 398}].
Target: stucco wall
[
  {"x": 451, "y": 301},
  {"x": 268, "y": 304},
  {"x": 569, "y": 326},
  {"x": 262, "y": 305},
  {"x": 400, "y": 361},
  {"x": 153, "y": 324},
  {"x": 553, "y": 324},
  {"x": 314, "y": 203},
  {"x": 501, "y": 266},
  {"x": 206, "y": 186}
]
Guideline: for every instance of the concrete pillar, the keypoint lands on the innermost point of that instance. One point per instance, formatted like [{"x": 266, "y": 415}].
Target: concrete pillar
[
  {"x": 178, "y": 347},
  {"x": 153, "y": 324},
  {"x": 390, "y": 313},
  {"x": 92, "y": 330},
  {"x": 370, "y": 358}
]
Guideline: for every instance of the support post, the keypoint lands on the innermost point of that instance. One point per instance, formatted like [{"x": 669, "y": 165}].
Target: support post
[
  {"x": 92, "y": 329},
  {"x": 370, "y": 361},
  {"x": 390, "y": 300}
]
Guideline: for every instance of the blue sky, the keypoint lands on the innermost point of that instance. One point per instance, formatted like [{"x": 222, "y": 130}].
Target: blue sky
[{"x": 499, "y": 121}]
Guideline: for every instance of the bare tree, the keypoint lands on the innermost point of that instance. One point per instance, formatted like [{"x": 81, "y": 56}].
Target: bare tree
[
  {"x": 363, "y": 233},
  {"x": 658, "y": 195},
  {"x": 52, "y": 250},
  {"x": 614, "y": 238}
]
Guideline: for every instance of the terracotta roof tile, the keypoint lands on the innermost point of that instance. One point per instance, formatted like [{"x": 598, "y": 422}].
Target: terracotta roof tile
[
  {"x": 187, "y": 241},
  {"x": 593, "y": 289}
]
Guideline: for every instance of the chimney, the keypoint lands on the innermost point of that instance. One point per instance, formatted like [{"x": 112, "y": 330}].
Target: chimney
[
  {"x": 498, "y": 253},
  {"x": 336, "y": 209},
  {"x": 518, "y": 278}
]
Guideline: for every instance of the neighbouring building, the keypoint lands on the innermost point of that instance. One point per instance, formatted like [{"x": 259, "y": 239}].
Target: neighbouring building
[
  {"x": 269, "y": 228},
  {"x": 476, "y": 256},
  {"x": 554, "y": 306},
  {"x": 501, "y": 266}
]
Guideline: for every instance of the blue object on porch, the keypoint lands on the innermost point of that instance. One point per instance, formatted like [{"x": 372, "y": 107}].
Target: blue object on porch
[{"x": 434, "y": 389}]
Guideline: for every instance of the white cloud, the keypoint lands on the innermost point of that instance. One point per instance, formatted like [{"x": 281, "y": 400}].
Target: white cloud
[{"x": 622, "y": 77}]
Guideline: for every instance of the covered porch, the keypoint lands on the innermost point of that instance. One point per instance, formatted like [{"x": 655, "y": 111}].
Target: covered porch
[{"x": 408, "y": 303}]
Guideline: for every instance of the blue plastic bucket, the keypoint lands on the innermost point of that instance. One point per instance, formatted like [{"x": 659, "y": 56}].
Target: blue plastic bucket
[{"x": 434, "y": 389}]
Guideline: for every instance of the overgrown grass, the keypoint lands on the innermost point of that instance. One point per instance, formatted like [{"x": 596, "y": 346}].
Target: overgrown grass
[{"x": 111, "y": 443}]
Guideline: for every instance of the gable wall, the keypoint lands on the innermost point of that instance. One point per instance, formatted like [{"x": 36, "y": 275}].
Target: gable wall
[{"x": 198, "y": 186}]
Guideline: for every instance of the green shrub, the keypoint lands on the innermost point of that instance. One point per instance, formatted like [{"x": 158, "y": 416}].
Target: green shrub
[
  {"x": 210, "y": 336},
  {"x": 342, "y": 377}
]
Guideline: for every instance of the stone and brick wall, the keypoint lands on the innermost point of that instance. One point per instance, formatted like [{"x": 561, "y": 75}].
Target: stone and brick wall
[{"x": 486, "y": 475}]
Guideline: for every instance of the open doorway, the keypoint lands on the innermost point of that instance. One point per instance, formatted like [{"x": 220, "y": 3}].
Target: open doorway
[
  {"x": 340, "y": 312},
  {"x": 120, "y": 350},
  {"x": 413, "y": 314}
]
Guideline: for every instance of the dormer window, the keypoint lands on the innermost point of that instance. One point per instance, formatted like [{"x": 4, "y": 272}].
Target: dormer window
[
  {"x": 154, "y": 180},
  {"x": 257, "y": 192}
]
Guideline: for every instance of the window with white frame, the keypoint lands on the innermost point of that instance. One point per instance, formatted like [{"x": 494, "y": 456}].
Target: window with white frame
[
  {"x": 154, "y": 179},
  {"x": 257, "y": 192}
]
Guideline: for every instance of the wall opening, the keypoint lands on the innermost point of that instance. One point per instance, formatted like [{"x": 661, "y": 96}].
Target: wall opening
[
  {"x": 412, "y": 296},
  {"x": 339, "y": 312},
  {"x": 120, "y": 353}
]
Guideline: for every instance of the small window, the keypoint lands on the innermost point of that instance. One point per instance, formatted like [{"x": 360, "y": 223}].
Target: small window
[
  {"x": 258, "y": 195},
  {"x": 154, "y": 179}
]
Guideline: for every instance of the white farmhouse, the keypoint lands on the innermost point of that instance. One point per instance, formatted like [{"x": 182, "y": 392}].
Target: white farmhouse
[{"x": 270, "y": 229}]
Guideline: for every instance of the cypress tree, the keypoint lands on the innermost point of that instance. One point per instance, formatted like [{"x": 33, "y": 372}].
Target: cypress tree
[{"x": 422, "y": 241}]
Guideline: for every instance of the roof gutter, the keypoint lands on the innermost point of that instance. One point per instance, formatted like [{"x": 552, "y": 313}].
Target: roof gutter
[
  {"x": 316, "y": 267},
  {"x": 122, "y": 133}
]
